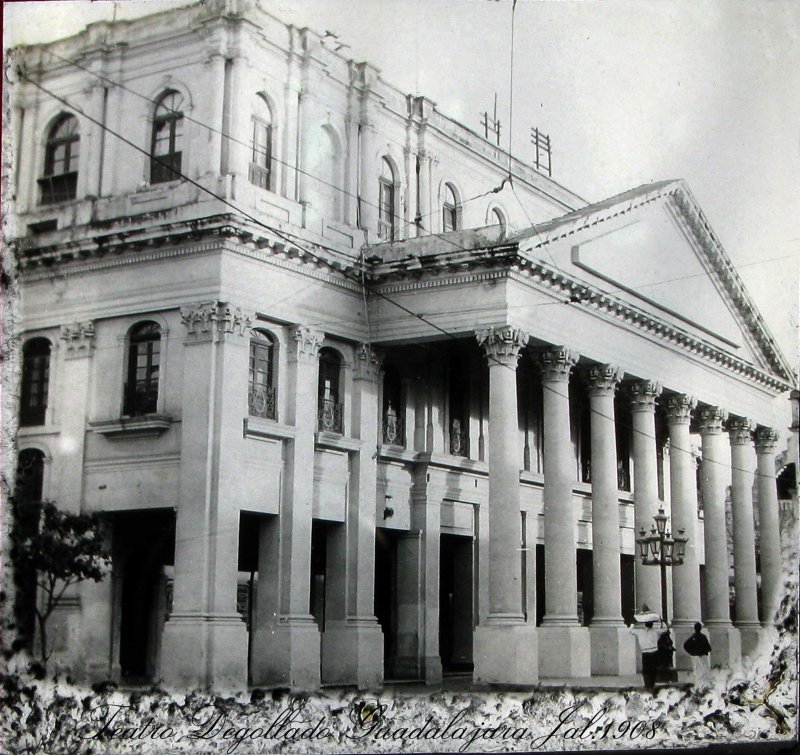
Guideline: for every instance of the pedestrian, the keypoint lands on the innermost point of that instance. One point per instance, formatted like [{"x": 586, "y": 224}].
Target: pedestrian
[
  {"x": 699, "y": 648},
  {"x": 647, "y": 638},
  {"x": 666, "y": 648}
]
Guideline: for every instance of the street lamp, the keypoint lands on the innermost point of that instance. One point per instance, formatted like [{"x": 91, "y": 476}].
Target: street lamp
[{"x": 661, "y": 549}]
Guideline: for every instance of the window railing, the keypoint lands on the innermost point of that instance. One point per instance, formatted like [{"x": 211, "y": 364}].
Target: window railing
[
  {"x": 393, "y": 429},
  {"x": 141, "y": 397},
  {"x": 59, "y": 188},
  {"x": 165, "y": 167},
  {"x": 459, "y": 439},
  {"x": 259, "y": 176},
  {"x": 261, "y": 401},
  {"x": 330, "y": 416}
]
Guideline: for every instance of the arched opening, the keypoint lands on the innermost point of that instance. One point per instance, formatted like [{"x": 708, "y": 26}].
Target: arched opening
[
  {"x": 59, "y": 181},
  {"x": 167, "y": 138},
  {"x": 261, "y": 391},
  {"x": 386, "y": 202},
  {"x": 144, "y": 357},
  {"x": 261, "y": 156},
  {"x": 450, "y": 209}
]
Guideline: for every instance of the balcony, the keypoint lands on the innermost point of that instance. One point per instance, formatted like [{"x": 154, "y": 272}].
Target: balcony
[
  {"x": 261, "y": 401},
  {"x": 459, "y": 439},
  {"x": 394, "y": 431},
  {"x": 141, "y": 397},
  {"x": 330, "y": 416}
]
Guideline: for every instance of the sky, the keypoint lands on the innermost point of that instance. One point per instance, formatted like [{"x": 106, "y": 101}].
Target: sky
[{"x": 630, "y": 91}]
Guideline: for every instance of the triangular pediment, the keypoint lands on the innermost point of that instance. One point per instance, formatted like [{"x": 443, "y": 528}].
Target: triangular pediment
[{"x": 653, "y": 248}]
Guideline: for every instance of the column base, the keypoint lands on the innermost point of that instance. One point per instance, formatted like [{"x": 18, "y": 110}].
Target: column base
[
  {"x": 726, "y": 645},
  {"x": 613, "y": 651},
  {"x": 505, "y": 654},
  {"x": 750, "y": 635},
  {"x": 205, "y": 650},
  {"x": 564, "y": 652},
  {"x": 286, "y": 654},
  {"x": 352, "y": 653}
]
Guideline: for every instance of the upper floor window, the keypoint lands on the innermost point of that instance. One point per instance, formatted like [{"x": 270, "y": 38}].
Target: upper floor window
[
  {"x": 167, "y": 142},
  {"x": 458, "y": 405},
  {"x": 499, "y": 219},
  {"x": 450, "y": 209},
  {"x": 59, "y": 182},
  {"x": 144, "y": 356},
  {"x": 261, "y": 391},
  {"x": 261, "y": 156},
  {"x": 29, "y": 482},
  {"x": 35, "y": 379},
  {"x": 386, "y": 205},
  {"x": 330, "y": 404},
  {"x": 393, "y": 420}
]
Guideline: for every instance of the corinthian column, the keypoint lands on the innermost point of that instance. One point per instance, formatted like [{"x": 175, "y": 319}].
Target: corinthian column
[
  {"x": 505, "y": 646},
  {"x": 768, "y": 528},
  {"x": 744, "y": 533},
  {"x": 724, "y": 638},
  {"x": 643, "y": 395},
  {"x": 683, "y": 487},
  {"x": 612, "y": 646},
  {"x": 563, "y": 643}
]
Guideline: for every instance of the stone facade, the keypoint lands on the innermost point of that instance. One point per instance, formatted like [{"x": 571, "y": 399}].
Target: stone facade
[{"x": 333, "y": 443}]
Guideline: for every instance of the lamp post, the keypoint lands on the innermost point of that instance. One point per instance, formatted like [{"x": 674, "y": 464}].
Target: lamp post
[{"x": 661, "y": 549}]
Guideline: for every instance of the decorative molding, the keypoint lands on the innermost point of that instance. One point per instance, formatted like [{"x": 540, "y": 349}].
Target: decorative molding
[
  {"x": 740, "y": 431},
  {"x": 766, "y": 439},
  {"x": 502, "y": 345},
  {"x": 556, "y": 364},
  {"x": 304, "y": 344},
  {"x": 367, "y": 364},
  {"x": 149, "y": 425},
  {"x": 79, "y": 339},
  {"x": 711, "y": 419},
  {"x": 679, "y": 409},
  {"x": 603, "y": 379},
  {"x": 643, "y": 394},
  {"x": 210, "y": 320}
]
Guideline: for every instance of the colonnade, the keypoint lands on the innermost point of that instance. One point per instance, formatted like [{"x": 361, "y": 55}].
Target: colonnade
[{"x": 566, "y": 649}]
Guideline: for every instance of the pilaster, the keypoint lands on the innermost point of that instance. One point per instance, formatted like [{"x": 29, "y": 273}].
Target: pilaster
[
  {"x": 205, "y": 640},
  {"x": 286, "y": 642},
  {"x": 352, "y": 643}
]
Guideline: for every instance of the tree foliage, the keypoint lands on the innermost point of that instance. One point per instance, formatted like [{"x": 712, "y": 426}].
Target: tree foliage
[{"x": 61, "y": 549}]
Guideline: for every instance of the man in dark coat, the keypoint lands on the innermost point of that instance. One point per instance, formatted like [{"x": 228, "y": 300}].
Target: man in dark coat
[{"x": 699, "y": 648}]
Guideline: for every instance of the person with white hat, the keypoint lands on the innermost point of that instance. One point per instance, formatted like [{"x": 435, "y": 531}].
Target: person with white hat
[{"x": 647, "y": 637}]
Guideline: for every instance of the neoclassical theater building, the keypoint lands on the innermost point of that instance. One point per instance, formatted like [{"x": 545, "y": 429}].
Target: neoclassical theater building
[{"x": 353, "y": 405}]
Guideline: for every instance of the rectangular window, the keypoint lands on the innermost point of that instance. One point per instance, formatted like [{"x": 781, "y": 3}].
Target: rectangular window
[
  {"x": 261, "y": 159},
  {"x": 386, "y": 203}
]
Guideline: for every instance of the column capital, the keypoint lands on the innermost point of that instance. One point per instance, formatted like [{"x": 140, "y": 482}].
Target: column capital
[
  {"x": 711, "y": 419},
  {"x": 209, "y": 320},
  {"x": 367, "y": 364},
  {"x": 603, "y": 379},
  {"x": 304, "y": 344},
  {"x": 766, "y": 439},
  {"x": 78, "y": 338},
  {"x": 740, "y": 431},
  {"x": 679, "y": 409},
  {"x": 502, "y": 345},
  {"x": 643, "y": 394},
  {"x": 556, "y": 364}
]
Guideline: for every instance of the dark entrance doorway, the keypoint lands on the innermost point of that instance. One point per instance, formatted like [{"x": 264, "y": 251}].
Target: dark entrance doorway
[
  {"x": 386, "y": 596},
  {"x": 143, "y": 544},
  {"x": 456, "y": 612}
]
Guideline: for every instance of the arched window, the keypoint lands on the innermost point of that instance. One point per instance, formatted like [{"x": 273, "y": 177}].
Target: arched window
[
  {"x": 330, "y": 404},
  {"x": 59, "y": 182},
  {"x": 261, "y": 156},
  {"x": 144, "y": 356},
  {"x": 450, "y": 209},
  {"x": 35, "y": 379},
  {"x": 167, "y": 142},
  {"x": 499, "y": 219},
  {"x": 386, "y": 203},
  {"x": 261, "y": 392}
]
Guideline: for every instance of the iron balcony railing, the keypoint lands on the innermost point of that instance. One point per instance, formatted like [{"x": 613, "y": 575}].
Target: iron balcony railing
[
  {"x": 141, "y": 397},
  {"x": 393, "y": 429},
  {"x": 459, "y": 439},
  {"x": 330, "y": 416},
  {"x": 259, "y": 176},
  {"x": 261, "y": 401}
]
